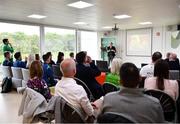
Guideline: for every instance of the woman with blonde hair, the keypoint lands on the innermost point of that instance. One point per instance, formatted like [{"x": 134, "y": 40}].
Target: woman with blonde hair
[
  {"x": 36, "y": 82},
  {"x": 113, "y": 77}
]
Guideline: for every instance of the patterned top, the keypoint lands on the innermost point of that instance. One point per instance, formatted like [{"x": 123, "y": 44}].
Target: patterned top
[{"x": 40, "y": 86}]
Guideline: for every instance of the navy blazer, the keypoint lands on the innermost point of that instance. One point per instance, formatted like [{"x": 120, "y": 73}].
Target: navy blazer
[{"x": 87, "y": 74}]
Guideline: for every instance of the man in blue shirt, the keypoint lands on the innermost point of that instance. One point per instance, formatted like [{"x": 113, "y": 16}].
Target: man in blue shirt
[
  {"x": 48, "y": 72},
  {"x": 7, "y": 61},
  {"x": 19, "y": 62}
]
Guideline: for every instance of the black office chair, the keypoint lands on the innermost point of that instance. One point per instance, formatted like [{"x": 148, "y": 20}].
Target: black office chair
[
  {"x": 174, "y": 74},
  {"x": 66, "y": 113},
  {"x": 83, "y": 84},
  {"x": 108, "y": 87},
  {"x": 141, "y": 82},
  {"x": 143, "y": 64},
  {"x": 167, "y": 103},
  {"x": 102, "y": 65},
  {"x": 56, "y": 71},
  {"x": 71, "y": 114},
  {"x": 112, "y": 117}
]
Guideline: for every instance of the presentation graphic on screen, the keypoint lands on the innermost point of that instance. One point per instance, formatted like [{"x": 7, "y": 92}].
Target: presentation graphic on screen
[{"x": 139, "y": 42}]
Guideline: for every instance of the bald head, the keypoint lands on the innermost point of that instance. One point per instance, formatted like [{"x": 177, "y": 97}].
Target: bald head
[{"x": 68, "y": 67}]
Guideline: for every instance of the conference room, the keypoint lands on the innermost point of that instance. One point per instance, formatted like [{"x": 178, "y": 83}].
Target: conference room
[{"x": 89, "y": 61}]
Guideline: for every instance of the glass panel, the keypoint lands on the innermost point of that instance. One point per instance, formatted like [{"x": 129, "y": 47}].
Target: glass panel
[
  {"x": 24, "y": 38},
  {"x": 59, "y": 40},
  {"x": 89, "y": 43}
]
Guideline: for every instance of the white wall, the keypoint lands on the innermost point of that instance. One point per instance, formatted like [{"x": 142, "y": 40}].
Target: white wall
[{"x": 159, "y": 43}]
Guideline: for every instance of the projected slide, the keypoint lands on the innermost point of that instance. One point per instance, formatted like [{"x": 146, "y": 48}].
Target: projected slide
[{"x": 138, "y": 42}]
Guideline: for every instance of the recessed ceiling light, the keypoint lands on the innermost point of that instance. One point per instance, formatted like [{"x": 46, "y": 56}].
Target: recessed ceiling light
[
  {"x": 122, "y": 16},
  {"x": 107, "y": 27},
  {"x": 80, "y": 4},
  {"x": 80, "y": 23},
  {"x": 145, "y": 23},
  {"x": 36, "y": 16}
]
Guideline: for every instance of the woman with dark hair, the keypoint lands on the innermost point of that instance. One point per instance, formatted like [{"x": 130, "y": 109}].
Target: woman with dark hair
[
  {"x": 161, "y": 81},
  {"x": 51, "y": 61},
  {"x": 36, "y": 82},
  {"x": 60, "y": 58},
  {"x": 87, "y": 71}
]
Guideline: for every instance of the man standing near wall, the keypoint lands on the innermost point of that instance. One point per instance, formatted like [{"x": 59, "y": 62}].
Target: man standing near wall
[
  {"x": 8, "y": 47},
  {"x": 111, "y": 50}
]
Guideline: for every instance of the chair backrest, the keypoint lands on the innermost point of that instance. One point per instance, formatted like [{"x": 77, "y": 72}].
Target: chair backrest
[
  {"x": 26, "y": 75},
  {"x": 143, "y": 64},
  {"x": 108, "y": 87},
  {"x": 17, "y": 73},
  {"x": 112, "y": 117},
  {"x": 141, "y": 82},
  {"x": 67, "y": 113},
  {"x": 56, "y": 71},
  {"x": 167, "y": 103},
  {"x": 83, "y": 84},
  {"x": 102, "y": 65},
  {"x": 6, "y": 71},
  {"x": 174, "y": 74}
]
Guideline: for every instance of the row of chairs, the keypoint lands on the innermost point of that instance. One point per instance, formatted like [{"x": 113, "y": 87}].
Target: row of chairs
[{"x": 19, "y": 76}]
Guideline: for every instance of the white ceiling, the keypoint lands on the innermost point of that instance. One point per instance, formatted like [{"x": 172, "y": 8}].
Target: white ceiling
[{"x": 159, "y": 12}]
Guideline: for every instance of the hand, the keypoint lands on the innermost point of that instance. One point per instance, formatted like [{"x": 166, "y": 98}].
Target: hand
[
  {"x": 10, "y": 44},
  {"x": 88, "y": 60},
  {"x": 94, "y": 106}
]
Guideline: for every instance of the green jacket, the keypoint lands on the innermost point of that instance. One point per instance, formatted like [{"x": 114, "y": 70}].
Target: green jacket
[
  {"x": 8, "y": 48},
  {"x": 113, "y": 79}
]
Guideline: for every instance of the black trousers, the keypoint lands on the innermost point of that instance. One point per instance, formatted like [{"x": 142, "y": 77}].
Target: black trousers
[{"x": 110, "y": 58}]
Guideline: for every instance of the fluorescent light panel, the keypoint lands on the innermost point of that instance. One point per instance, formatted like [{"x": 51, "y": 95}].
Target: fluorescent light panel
[
  {"x": 36, "y": 16},
  {"x": 80, "y": 4},
  {"x": 107, "y": 27},
  {"x": 80, "y": 23},
  {"x": 122, "y": 16},
  {"x": 145, "y": 23}
]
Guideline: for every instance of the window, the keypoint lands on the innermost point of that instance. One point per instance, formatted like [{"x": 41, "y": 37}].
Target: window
[
  {"x": 24, "y": 38},
  {"x": 89, "y": 43},
  {"x": 59, "y": 40}
]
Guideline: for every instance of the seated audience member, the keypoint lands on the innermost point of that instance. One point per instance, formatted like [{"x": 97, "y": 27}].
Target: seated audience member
[
  {"x": 131, "y": 101},
  {"x": 36, "y": 82},
  {"x": 161, "y": 81},
  {"x": 18, "y": 62},
  {"x": 113, "y": 77},
  {"x": 51, "y": 61},
  {"x": 71, "y": 55},
  {"x": 173, "y": 62},
  {"x": 60, "y": 58},
  {"x": 87, "y": 73},
  {"x": 7, "y": 61},
  {"x": 30, "y": 59},
  {"x": 48, "y": 72},
  {"x": 37, "y": 58},
  {"x": 73, "y": 93},
  {"x": 148, "y": 70},
  {"x": 167, "y": 56}
]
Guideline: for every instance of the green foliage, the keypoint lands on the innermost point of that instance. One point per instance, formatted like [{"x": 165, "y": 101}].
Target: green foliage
[
  {"x": 56, "y": 43},
  {"x": 29, "y": 44}
]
